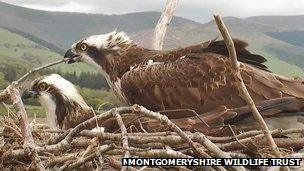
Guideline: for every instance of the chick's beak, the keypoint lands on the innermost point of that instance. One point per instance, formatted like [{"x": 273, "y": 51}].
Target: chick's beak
[
  {"x": 29, "y": 94},
  {"x": 71, "y": 56}
]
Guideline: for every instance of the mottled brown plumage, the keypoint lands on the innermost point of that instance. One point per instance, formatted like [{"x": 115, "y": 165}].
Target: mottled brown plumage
[
  {"x": 197, "y": 77},
  {"x": 202, "y": 80}
]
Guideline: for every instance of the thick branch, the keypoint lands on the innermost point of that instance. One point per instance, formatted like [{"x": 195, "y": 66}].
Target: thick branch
[
  {"x": 162, "y": 24},
  {"x": 101, "y": 150},
  {"x": 28, "y": 140}
]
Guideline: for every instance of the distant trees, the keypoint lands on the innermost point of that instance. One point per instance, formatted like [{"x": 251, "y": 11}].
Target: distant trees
[
  {"x": 12, "y": 72},
  {"x": 84, "y": 79},
  {"x": 3, "y": 83}
]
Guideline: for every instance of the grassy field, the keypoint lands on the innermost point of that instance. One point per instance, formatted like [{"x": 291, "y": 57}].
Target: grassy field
[
  {"x": 14, "y": 47},
  {"x": 31, "y": 111}
]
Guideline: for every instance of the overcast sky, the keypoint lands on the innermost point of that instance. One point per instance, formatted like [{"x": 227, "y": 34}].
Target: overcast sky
[{"x": 198, "y": 10}]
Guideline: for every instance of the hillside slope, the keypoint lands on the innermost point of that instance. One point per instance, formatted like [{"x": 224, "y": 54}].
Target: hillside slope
[
  {"x": 294, "y": 22},
  {"x": 19, "y": 51},
  {"x": 295, "y": 38},
  {"x": 62, "y": 28}
]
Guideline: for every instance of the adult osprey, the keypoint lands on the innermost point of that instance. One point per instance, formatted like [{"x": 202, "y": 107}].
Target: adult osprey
[
  {"x": 197, "y": 77},
  {"x": 64, "y": 106}
]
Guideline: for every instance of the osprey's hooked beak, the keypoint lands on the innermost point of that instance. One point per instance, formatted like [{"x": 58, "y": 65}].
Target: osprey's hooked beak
[
  {"x": 71, "y": 56},
  {"x": 29, "y": 94}
]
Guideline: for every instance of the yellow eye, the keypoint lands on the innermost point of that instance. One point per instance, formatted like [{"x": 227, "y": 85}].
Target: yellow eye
[
  {"x": 43, "y": 86},
  {"x": 83, "y": 47}
]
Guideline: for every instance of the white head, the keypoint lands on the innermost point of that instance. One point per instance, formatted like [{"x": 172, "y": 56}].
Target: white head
[
  {"x": 94, "y": 49},
  {"x": 64, "y": 87},
  {"x": 57, "y": 96}
]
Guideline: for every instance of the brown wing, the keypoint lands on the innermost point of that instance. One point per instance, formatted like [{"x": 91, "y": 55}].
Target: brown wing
[
  {"x": 75, "y": 116},
  {"x": 201, "y": 83},
  {"x": 217, "y": 47}
]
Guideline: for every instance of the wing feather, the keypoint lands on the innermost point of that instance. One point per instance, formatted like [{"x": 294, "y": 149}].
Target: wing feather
[{"x": 202, "y": 84}]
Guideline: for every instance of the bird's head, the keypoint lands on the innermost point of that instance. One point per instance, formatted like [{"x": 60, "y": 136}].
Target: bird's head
[
  {"x": 58, "y": 96},
  {"x": 94, "y": 49},
  {"x": 51, "y": 86}
]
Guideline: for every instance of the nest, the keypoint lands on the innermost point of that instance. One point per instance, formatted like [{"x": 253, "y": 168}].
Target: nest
[{"x": 80, "y": 148}]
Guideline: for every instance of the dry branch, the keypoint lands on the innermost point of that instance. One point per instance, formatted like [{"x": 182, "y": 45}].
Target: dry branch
[
  {"x": 39, "y": 68},
  {"x": 28, "y": 141},
  {"x": 101, "y": 150},
  {"x": 241, "y": 86},
  {"x": 162, "y": 24},
  {"x": 123, "y": 129}
]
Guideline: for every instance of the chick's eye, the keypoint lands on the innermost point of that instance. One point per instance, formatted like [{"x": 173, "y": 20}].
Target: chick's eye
[
  {"x": 42, "y": 86},
  {"x": 83, "y": 47}
]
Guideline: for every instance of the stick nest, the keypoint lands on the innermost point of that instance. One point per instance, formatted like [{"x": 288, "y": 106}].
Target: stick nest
[{"x": 80, "y": 148}]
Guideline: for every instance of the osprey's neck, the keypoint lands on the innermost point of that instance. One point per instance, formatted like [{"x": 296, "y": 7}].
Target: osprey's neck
[
  {"x": 49, "y": 104},
  {"x": 130, "y": 57},
  {"x": 114, "y": 67},
  {"x": 59, "y": 108}
]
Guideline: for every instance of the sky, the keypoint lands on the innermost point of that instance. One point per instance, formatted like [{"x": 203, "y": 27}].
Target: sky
[{"x": 198, "y": 10}]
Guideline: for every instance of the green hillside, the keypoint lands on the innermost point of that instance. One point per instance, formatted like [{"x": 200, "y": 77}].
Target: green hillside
[
  {"x": 63, "y": 28},
  {"x": 17, "y": 50},
  {"x": 292, "y": 22},
  {"x": 293, "y": 37}
]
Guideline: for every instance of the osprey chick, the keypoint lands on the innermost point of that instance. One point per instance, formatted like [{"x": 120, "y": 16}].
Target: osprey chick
[
  {"x": 64, "y": 106},
  {"x": 197, "y": 77}
]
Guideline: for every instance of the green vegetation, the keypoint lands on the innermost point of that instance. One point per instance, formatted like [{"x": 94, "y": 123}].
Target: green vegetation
[
  {"x": 32, "y": 111},
  {"x": 276, "y": 65},
  {"x": 17, "y": 50},
  {"x": 293, "y": 37}
]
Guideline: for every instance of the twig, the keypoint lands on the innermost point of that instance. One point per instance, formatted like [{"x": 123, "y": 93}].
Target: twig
[
  {"x": 103, "y": 149},
  {"x": 58, "y": 160},
  {"x": 236, "y": 139},
  {"x": 281, "y": 142},
  {"x": 123, "y": 129},
  {"x": 241, "y": 86},
  {"x": 14, "y": 130},
  {"x": 93, "y": 143},
  {"x": 39, "y": 68},
  {"x": 187, "y": 110}
]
